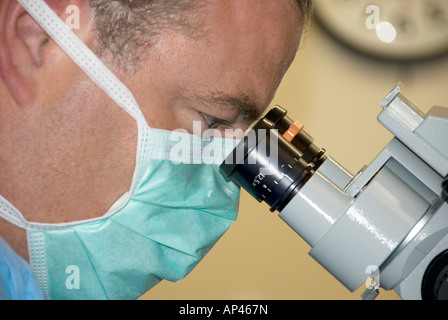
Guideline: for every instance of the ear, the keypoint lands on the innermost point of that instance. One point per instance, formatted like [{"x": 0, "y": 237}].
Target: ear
[{"x": 22, "y": 48}]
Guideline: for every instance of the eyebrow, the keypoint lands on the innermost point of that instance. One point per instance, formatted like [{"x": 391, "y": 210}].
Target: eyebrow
[{"x": 248, "y": 110}]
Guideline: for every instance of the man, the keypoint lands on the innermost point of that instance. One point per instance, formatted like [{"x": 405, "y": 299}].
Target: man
[{"x": 67, "y": 153}]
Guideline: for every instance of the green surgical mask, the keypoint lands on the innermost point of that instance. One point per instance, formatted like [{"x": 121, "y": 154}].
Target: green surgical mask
[
  {"x": 160, "y": 231},
  {"x": 177, "y": 208}
]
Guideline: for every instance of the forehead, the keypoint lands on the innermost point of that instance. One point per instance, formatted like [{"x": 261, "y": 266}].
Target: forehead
[
  {"x": 255, "y": 38},
  {"x": 235, "y": 57},
  {"x": 271, "y": 24},
  {"x": 238, "y": 11}
]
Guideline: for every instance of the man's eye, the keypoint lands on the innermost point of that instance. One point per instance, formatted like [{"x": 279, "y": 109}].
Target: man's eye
[{"x": 212, "y": 123}]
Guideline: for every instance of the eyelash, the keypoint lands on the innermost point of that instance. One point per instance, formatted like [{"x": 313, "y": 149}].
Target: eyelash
[
  {"x": 211, "y": 122},
  {"x": 214, "y": 123}
]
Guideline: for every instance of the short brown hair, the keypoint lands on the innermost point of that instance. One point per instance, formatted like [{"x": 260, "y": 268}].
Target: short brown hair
[
  {"x": 306, "y": 9},
  {"x": 126, "y": 27}
]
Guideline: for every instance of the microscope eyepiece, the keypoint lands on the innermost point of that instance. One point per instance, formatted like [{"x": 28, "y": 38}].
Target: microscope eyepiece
[
  {"x": 274, "y": 159},
  {"x": 302, "y": 141}
]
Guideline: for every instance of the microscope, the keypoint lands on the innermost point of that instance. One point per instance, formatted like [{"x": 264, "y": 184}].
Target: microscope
[{"x": 386, "y": 226}]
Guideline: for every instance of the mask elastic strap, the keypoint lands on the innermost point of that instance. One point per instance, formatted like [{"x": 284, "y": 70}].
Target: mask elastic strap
[
  {"x": 11, "y": 214},
  {"x": 98, "y": 73},
  {"x": 94, "y": 68},
  {"x": 83, "y": 56}
]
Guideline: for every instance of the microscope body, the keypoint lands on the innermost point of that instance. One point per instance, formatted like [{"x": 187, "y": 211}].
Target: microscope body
[
  {"x": 388, "y": 225},
  {"x": 391, "y": 219}
]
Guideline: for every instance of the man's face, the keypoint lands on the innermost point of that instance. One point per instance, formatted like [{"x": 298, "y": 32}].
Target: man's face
[
  {"x": 80, "y": 151},
  {"x": 224, "y": 76}
]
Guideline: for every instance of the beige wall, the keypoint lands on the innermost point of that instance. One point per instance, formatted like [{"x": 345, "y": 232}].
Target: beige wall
[{"x": 336, "y": 94}]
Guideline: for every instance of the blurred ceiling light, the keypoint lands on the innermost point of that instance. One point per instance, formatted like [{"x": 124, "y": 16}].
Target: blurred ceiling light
[{"x": 386, "y": 32}]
